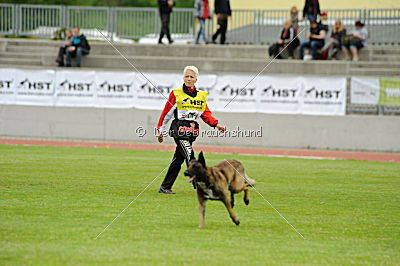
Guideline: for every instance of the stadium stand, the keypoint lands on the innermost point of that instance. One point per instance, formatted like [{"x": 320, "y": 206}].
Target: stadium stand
[{"x": 375, "y": 60}]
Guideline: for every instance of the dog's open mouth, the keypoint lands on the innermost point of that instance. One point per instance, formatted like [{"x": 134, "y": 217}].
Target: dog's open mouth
[{"x": 190, "y": 179}]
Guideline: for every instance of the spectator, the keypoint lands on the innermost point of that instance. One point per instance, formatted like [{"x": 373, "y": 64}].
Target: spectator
[
  {"x": 355, "y": 41},
  {"x": 334, "y": 43},
  {"x": 294, "y": 18},
  {"x": 311, "y": 10},
  {"x": 316, "y": 39},
  {"x": 202, "y": 12},
  {"x": 223, "y": 10},
  {"x": 78, "y": 48},
  {"x": 165, "y": 7},
  {"x": 62, "y": 50},
  {"x": 287, "y": 39}
]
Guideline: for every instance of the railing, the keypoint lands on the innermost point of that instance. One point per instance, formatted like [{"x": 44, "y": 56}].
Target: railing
[{"x": 245, "y": 26}]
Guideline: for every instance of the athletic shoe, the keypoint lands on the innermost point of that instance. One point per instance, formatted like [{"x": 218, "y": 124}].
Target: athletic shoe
[{"x": 165, "y": 191}]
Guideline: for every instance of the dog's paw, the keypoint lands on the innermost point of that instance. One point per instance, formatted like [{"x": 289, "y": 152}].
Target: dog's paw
[
  {"x": 237, "y": 222},
  {"x": 247, "y": 202}
]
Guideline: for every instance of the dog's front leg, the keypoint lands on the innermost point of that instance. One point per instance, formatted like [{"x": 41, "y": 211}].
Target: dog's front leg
[
  {"x": 202, "y": 208},
  {"x": 226, "y": 201}
]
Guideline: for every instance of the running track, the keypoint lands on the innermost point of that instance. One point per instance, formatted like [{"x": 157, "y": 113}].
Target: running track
[{"x": 317, "y": 154}]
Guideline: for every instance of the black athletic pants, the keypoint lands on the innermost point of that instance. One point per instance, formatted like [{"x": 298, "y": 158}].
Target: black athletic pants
[
  {"x": 183, "y": 152},
  {"x": 223, "y": 26},
  {"x": 165, "y": 27}
]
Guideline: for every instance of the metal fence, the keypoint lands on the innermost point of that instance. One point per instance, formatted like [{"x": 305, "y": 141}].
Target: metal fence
[{"x": 245, "y": 26}]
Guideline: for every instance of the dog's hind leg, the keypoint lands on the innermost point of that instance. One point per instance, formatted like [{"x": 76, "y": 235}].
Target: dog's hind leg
[
  {"x": 246, "y": 195},
  {"x": 232, "y": 199},
  {"x": 202, "y": 208}
]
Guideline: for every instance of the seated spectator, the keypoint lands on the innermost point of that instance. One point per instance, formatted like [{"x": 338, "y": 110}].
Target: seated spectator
[
  {"x": 356, "y": 40},
  {"x": 334, "y": 43},
  {"x": 78, "y": 48},
  {"x": 62, "y": 50},
  {"x": 316, "y": 39},
  {"x": 287, "y": 39}
]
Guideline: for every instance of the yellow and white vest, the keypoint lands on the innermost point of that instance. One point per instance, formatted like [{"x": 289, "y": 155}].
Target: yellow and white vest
[{"x": 190, "y": 108}]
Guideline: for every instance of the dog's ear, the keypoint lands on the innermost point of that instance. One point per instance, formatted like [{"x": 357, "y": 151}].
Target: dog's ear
[{"x": 202, "y": 160}]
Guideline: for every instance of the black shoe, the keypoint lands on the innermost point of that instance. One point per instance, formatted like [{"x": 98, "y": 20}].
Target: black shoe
[
  {"x": 60, "y": 62},
  {"x": 171, "y": 41},
  {"x": 160, "y": 42},
  {"x": 68, "y": 65},
  {"x": 78, "y": 65},
  {"x": 165, "y": 191}
]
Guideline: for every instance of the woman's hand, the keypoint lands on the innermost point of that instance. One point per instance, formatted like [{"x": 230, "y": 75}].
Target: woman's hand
[
  {"x": 160, "y": 138},
  {"x": 221, "y": 128}
]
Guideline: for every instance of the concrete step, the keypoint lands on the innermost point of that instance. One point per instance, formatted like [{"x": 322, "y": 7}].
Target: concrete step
[
  {"x": 32, "y": 50},
  {"x": 210, "y": 51},
  {"x": 386, "y": 51},
  {"x": 19, "y": 61},
  {"x": 375, "y": 65},
  {"x": 214, "y": 65},
  {"x": 374, "y": 72},
  {"x": 25, "y": 55},
  {"x": 31, "y": 42},
  {"x": 385, "y": 58}
]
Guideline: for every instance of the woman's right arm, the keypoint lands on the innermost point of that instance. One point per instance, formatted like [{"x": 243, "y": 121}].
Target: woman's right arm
[{"x": 166, "y": 115}]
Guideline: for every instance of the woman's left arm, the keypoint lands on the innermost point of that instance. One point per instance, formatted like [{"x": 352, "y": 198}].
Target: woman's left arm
[{"x": 211, "y": 121}]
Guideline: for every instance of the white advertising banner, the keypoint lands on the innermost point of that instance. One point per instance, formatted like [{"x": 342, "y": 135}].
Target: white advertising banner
[
  {"x": 232, "y": 95},
  {"x": 324, "y": 96},
  {"x": 75, "y": 88},
  {"x": 115, "y": 89},
  {"x": 208, "y": 83},
  {"x": 227, "y": 93},
  {"x": 7, "y": 85},
  {"x": 365, "y": 90},
  {"x": 153, "y": 89},
  {"x": 34, "y": 87},
  {"x": 279, "y": 95}
]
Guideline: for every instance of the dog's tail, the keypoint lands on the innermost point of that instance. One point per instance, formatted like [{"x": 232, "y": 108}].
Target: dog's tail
[{"x": 249, "y": 181}]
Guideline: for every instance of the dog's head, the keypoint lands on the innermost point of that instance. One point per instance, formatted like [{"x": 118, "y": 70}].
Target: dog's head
[{"x": 197, "y": 169}]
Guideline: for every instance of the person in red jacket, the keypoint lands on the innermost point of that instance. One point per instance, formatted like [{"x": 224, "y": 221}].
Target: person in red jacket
[{"x": 186, "y": 105}]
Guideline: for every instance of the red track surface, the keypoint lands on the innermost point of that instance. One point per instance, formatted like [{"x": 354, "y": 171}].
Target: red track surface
[{"x": 363, "y": 156}]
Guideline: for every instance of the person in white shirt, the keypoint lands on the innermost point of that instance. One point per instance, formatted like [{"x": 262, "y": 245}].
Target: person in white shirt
[{"x": 355, "y": 41}]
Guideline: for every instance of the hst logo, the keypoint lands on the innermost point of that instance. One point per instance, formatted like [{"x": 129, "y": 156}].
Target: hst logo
[
  {"x": 34, "y": 85},
  {"x": 108, "y": 87},
  {"x": 228, "y": 90},
  {"x": 192, "y": 102},
  {"x": 281, "y": 92},
  {"x": 75, "y": 86},
  {"x": 322, "y": 93}
]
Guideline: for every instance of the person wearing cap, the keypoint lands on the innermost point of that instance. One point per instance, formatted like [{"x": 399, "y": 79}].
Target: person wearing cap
[
  {"x": 355, "y": 41},
  {"x": 186, "y": 105},
  {"x": 316, "y": 40}
]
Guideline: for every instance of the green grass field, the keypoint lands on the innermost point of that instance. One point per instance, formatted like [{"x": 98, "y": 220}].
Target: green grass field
[{"x": 54, "y": 201}]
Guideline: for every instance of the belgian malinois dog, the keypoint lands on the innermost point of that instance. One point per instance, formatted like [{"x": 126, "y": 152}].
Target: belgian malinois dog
[{"x": 219, "y": 182}]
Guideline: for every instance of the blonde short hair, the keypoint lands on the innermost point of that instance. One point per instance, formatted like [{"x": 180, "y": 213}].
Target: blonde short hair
[{"x": 193, "y": 68}]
